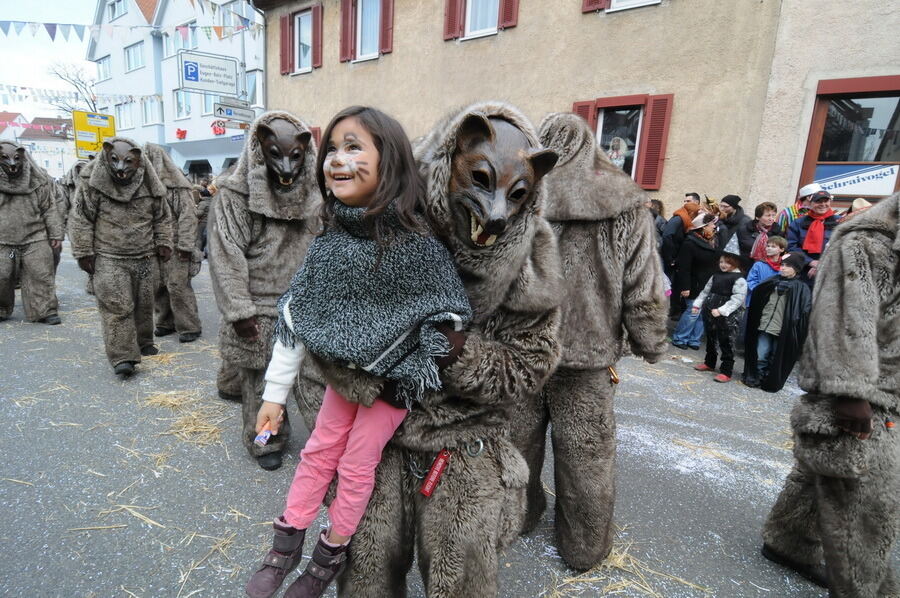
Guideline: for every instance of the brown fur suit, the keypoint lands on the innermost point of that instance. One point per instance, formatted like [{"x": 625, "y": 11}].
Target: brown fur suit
[
  {"x": 613, "y": 290},
  {"x": 510, "y": 350},
  {"x": 257, "y": 240},
  {"x": 29, "y": 220},
  {"x": 122, "y": 226},
  {"x": 842, "y": 499},
  {"x": 175, "y": 303}
]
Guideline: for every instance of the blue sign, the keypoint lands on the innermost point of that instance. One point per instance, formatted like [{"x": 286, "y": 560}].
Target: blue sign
[
  {"x": 191, "y": 71},
  {"x": 229, "y": 112},
  {"x": 237, "y": 137}
]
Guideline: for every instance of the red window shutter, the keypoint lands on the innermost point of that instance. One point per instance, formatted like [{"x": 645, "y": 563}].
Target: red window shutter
[
  {"x": 348, "y": 31},
  {"x": 454, "y": 18},
  {"x": 654, "y": 136},
  {"x": 587, "y": 111},
  {"x": 317, "y": 36},
  {"x": 509, "y": 14},
  {"x": 317, "y": 135},
  {"x": 386, "y": 35},
  {"x": 287, "y": 44},
  {"x": 593, "y": 5}
]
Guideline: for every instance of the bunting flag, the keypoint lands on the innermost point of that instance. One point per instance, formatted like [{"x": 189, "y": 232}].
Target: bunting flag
[
  {"x": 65, "y": 28},
  {"x": 51, "y": 30},
  {"x": 125, "y": 32},
  {"x": 219, "y": 31},
  {"x": 208, "y": 32},
  {"x": 79, "y": 31},
  {"x": 4, "y": 27},
  {"x": 18, "y": 25},
  {"x": 19, "y": 93}
]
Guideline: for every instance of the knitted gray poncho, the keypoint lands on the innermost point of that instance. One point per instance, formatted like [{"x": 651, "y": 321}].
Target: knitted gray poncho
[{"x": 382, "y": 319}]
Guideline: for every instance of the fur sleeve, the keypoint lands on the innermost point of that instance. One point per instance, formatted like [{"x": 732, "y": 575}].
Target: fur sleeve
[
  {"x": 50, "y": 212},
  {"x": 840, "y": 355},
  {"x": 229, "y": 237},
  {"x": 162, "y": 224},
  {"x": 81, "y": 222},
  {"x": 644, "y": 305},
  {"x": 186, "y": 220},
  {"x": 515, "y": 362}
]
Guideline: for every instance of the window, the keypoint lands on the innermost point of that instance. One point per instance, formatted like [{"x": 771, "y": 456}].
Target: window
[
  {"x": 368, "y": 22},
  {"x": 208, "y": 101},
  {"x": 185, "y": 37},
  {"x": 468, "y": 19},
  {"x": 853, "y": 149},
  {"x": 46, "y": 163},
  {"x": 367, "y": 29},
  {"x": 182, "y": 104},
  {"x": 134, "y": 56},
  {"x": 116, "y": 8},
  {"x": 125, "y": 115},
  {"x": 230, "y": 15},
  {"x": 151, "y": 110},
  {"x": 168, "y": 45},
  {"x": 625, "y": 4},
  {"x": 301, "y": 41},
  {"x": 103, "y": 69},
  {"x": 254, "y": 81},
  {"x": 632, "y": 131}
]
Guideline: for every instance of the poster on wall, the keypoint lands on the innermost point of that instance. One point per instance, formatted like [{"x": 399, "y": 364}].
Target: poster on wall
[{"x": 858, "y": 179}]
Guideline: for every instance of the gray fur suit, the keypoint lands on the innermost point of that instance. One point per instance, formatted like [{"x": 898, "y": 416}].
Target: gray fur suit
[
  {"x": 29, "y": 220},
  {"x": 258, "y": 237},
  {"x": 175, "y": 302},
  {"x": 511, "y": 348},
  {"x": 613, "y": 291},
  {"x": 841, "y": 499},
  {"x": 122, "y": 226}
]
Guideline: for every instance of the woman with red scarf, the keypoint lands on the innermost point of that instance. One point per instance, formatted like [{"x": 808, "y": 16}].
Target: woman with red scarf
[{"x": 810, "y": 233}]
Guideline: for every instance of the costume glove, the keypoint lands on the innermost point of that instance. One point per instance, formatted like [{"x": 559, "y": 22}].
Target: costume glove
[
  {"x": 86, "y": 263},
  {"x": 247, "y": 328},
  {"x": 164, "y": 253},
  {"x": 184, "y": 256},
  {"x": 854, "y": 416}
]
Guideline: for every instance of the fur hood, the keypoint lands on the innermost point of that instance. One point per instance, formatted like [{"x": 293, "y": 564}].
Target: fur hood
[
  {"x": 521, "y": 269},
  {"x": 32, "y": 177},
  {"x": 585, "y": 185},
  {"x": 250, "y": 178},
  {"x": 169, "y": 174},
  {"x": 884, "y": 217},
  {"x": 71, "y": 177},
  {"x": 95, "y": 175}
]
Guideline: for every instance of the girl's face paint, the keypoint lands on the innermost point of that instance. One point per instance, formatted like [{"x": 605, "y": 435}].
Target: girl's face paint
[{"x": 351, "y": 163}]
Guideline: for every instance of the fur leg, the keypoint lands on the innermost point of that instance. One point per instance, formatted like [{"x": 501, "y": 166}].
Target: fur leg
[
  {"x": 8, "y": 274},
  {"x": 252, "y": 384},
  {"x": 228, "y": 379},
  {"x": 145, "y": 279},
  {"x": 529, "y": 435},
  {"x": 38, "y": 281},
  {"x": 162, "y": 302},
  {"x": 115, "y": 302},
  {"x": 791, "y": 527},
  {"x": 381, "y": 552},
  {"x": 584, "y": 449},
  {"x": 181, "y": 297}
]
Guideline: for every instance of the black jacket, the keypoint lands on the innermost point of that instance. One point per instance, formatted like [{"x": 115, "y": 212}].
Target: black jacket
[
  {"x": 672, "y": 238},
  {"x": 697, "y": 261},
  {"x": 731, "y": 225},
  {"x": 793, "y": 330}
]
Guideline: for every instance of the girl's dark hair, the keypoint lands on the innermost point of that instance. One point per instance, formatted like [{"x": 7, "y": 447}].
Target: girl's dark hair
[
  {"x": 398, "y": 178},
  {"x": 733, "y": 261}
]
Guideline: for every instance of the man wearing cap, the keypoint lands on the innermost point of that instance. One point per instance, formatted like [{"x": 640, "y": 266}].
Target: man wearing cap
[
  {"x": 811, "y": 232},
  {"x": 791, "y": 213},
  {"x": 841, "y": 501},
  {"x": 731, "y": 220}
]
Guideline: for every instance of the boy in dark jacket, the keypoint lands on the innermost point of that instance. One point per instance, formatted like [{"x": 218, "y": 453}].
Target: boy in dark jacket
[{"x": 776, "y": 326}]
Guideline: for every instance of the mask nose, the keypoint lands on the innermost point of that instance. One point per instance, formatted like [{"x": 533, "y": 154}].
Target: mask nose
[{"x": 497, "y": 217}]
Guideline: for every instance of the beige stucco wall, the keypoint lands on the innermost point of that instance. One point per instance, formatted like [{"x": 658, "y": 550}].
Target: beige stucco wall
[
  {"x": 713, "y": 55},
  {"x": 816, "y": 40}
]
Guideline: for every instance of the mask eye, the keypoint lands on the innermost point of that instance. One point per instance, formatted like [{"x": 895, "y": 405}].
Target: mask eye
[
  {"x": 481, "y": 179},
  {"x": 273, "y": 151},
  {"x": 519, "y": 194}
]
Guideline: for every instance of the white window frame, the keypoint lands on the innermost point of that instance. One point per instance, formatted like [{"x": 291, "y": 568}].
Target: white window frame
[
  {"x": 156, "y": 111},
  {"x": 186, "y": 101},
  {"x": 112, "y": 11},
  {"x": 258, "y": 85},
  {"x": 214, "y": 98},
  {"x": 615, "y": 5},
  {"x": 125, "y": 108},
  {"x": 298, "y": 70},
  {"x": 192, "y": 42},
  {"x": 227, "y": 19},
  {"x": 140, "y": 53},
  {"x": 168, "y": 45},
  {"x": 105, "y": 60},
  {"x": 359, "y": 12},
  {"x": 468, "y": 33},
  {"x": 598, "y": 133}
]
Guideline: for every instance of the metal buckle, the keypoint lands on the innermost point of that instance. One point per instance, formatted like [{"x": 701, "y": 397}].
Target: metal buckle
[
  {"x": 479, "y": 448},
  {"x": 415, "y": 469}
]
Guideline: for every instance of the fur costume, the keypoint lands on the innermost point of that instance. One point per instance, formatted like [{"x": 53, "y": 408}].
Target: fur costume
[
  {"x": 613, "y": 296},
  {"x": 842, "y": 499},
  {"x": 510, "y": 350},
  {"x": 257, "y": 239},
  {"x": 29, "y": 220},
  {"x": 122, "y": 226},
  {"x": 175, "y": 303}
]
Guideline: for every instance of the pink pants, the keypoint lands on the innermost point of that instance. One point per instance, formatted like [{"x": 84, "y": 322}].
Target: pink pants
[{"x": 348, "y": 439}]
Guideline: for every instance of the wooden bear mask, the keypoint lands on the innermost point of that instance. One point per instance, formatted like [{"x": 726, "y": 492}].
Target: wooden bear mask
[{"x": 284, "y": 149}]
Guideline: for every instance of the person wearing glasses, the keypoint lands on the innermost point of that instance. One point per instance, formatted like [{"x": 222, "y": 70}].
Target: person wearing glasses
[{"x": 811, "y": 232}]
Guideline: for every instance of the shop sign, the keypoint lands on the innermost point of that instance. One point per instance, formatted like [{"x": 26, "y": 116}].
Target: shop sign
[{"x": 857, "y": 179}]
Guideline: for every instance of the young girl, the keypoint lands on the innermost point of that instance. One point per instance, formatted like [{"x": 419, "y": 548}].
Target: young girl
[
  {"x": 722, "y": 303},
  {"x": 375, "y": 293}
]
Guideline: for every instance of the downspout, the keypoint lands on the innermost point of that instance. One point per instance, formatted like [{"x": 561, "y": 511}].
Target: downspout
[{"x": 265, "y": 55}]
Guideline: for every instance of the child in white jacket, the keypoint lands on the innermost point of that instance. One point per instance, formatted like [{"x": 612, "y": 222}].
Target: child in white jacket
[{"x": 722, "y": 306}]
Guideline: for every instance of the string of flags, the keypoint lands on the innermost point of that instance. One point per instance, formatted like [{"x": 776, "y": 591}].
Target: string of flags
[
  {"x": 46, "y": 128},
  {"x": 19, "y": 93},
  {"x": 70, "y": 31}
]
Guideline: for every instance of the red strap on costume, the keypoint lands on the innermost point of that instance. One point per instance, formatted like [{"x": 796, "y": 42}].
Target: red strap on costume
[
  {"x": 815, "y": 236},
  {"x": 435, "y": 473}
]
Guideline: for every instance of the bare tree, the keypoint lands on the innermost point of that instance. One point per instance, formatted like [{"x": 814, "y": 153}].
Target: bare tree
[{"x": 75, "y": 77}]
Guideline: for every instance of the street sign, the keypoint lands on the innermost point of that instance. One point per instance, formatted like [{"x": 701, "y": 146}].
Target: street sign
[
  {"x": 212, "y": 73},
  {"x": 90, "y": 131},
  {"x": 237, "y": 137},
  {"x": 234, "y": 102},
  {"x": 233, "y": 112},
  {"x": 232, "y": 124}
]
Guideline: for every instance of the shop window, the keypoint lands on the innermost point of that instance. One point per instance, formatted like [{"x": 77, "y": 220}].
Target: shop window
[
  {"x": 853, "y": 149},
  {"x": 466, "y": 19},
  {"x": 301, "y": 41},
  {"x": 632, "y": 131},
  {"x": 367, "y": 29}
]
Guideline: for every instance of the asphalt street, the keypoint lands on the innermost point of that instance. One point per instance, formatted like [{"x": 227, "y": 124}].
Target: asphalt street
[{"x": 141, "y": 488}]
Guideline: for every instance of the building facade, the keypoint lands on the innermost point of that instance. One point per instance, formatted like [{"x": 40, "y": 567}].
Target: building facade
[
  {"x": 700, "y": 95},
  {"x": 137, "y": 59},
  {"x": 50, "y": 143}
]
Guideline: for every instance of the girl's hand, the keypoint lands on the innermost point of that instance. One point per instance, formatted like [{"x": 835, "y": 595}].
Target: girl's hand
[
  {"x": 271, "y": 413},
  {"x": 715, "y": 313}
]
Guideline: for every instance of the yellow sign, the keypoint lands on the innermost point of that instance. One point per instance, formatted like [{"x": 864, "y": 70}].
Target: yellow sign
[{"x": 90, "y": 131}]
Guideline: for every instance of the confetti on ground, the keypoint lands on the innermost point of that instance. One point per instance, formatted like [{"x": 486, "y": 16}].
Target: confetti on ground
[
  {"x": 706, "y": 451},
  {"x": 17, "y": 481}
]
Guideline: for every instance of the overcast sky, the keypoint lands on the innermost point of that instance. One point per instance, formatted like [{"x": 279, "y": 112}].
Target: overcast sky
[{"x": 27, "y": 57}]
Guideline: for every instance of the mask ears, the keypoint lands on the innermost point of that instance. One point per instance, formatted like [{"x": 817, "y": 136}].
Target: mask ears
[
  {"x": 542, "y": 161},
  {"x": 263, "y": 132},
  {"x": 303, "y": 138},
  {"x": 107, "y": 146},
  {"x": 474, "y": 129}
]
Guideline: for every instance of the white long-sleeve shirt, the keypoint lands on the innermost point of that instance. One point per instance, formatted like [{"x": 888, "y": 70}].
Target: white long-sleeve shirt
[
  {"x": 283, "y": 367},
  {"x": 738, "y": 296}
]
